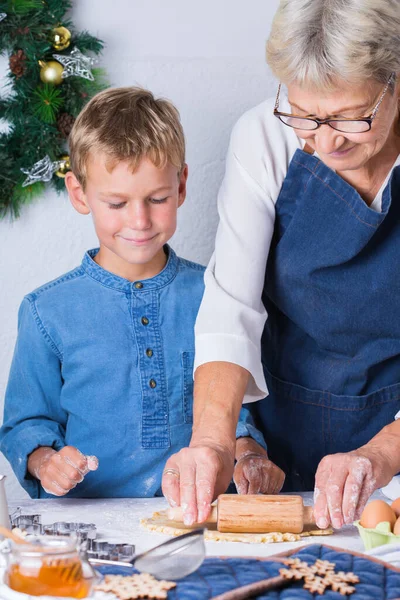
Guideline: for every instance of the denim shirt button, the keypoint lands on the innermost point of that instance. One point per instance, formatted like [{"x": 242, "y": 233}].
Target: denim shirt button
[
  {"x": 145, "y": 321},
  {"x": 138, "y": 285},
  {"x": 149, "y": 352},
  {"x": 152, "y": 383}
]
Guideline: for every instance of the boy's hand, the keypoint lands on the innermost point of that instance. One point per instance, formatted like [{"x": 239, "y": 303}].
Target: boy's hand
[
  {"x": 59, "y": 472},
  {"x": 254, "y": 473}
]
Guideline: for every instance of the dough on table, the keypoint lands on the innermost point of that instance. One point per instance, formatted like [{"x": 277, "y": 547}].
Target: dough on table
[{"x": 159, "y": 523}]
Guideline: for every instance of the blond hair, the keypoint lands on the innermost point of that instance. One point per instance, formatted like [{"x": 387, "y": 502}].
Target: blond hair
[
  {"x": 318, "y": 42},
  {"x": 127, "y": 124}
]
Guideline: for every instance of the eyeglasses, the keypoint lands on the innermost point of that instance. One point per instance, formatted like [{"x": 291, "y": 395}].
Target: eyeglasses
[{"x": 343, "y": 125}]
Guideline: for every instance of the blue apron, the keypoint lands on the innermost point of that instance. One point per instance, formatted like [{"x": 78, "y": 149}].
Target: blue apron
[{"x": 331, "y": 344}]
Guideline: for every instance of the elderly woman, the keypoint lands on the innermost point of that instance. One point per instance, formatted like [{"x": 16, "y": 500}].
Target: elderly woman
[{"x": 302, "y": 296}]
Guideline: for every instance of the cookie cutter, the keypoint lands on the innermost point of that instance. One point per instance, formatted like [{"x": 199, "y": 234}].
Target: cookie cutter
[
  {"x": 106, "y": 550},
  {"x": 14, "y": 515},
  {"x": 21, "y": 521},
  {"x": 33, "y": 524},
  {"x": 85, "y": 533}
]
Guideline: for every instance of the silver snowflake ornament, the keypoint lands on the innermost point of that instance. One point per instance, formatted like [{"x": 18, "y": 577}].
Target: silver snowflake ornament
[
  {"x": 2, "y": 16},
  {"x": 43, "y": 170},
  {"x": 76, "y": 63}
]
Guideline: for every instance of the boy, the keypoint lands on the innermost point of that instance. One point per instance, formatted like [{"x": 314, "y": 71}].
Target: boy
[{"x": 100, "y": 389}]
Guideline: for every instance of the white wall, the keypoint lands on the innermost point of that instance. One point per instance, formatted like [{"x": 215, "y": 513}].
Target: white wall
[{"x": 208, "y": 57}]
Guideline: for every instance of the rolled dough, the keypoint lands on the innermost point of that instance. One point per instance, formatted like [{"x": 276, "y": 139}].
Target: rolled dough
[{"x": 159, "y": 523}]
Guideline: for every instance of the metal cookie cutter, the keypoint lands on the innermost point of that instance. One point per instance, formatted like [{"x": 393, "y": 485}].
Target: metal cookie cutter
[
  {"x": 23, "y": 521},
  {"x": 33, "y": 524},
  {"x": 83, "y": 531},
  {"x": 14, "y": 515},
  {"x": 108, "y": 551}
]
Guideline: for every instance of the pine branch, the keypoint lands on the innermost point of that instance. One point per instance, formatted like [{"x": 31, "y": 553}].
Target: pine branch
[
  {"x": 46, "y": 102},
  {"x": 39, "y": 114},
  {"x": 79, "y": 91},
  {"x": 5, "y": 104},
  {"x": 21, "y": 7},
  {"x": 25, "y": 195},
  {"x": 58, "y": 9},
  {"x": 87, "y": 43},
  {"x": 59, "y": 184}
]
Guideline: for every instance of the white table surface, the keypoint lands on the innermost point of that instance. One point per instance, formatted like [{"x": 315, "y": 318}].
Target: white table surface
[{"x": 118, "y": 520}]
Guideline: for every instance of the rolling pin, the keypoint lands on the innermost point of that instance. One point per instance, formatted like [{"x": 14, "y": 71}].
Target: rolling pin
[{"x": 255, "y": 514}]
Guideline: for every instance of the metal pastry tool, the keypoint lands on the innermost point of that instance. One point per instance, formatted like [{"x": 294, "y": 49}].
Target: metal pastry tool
[
  {"x": 33, "y": 529},
  {"x": 173, "y": 559},
  {"x": 256, "y": 514},
  {"x": 22, "y": 521},
  {"x": 83, "y": 531},
  {"x": 14, "y": 515},
  {"x": 33, "y": 524},
  {"x": 105, "y": 550},
  {"x": 29, "y": 523}
]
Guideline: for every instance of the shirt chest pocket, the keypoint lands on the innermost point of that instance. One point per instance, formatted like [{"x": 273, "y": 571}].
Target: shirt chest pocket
[{"x": 187, "y": 361}]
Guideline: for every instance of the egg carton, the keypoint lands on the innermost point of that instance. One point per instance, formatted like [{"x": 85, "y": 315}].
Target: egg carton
[
  {"x": 379, "y": 536},
  {"x": 85, "y": 533}
]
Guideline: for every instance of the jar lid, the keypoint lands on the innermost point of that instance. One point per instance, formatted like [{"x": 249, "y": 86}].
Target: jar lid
[{"x": 45, "y": 546}]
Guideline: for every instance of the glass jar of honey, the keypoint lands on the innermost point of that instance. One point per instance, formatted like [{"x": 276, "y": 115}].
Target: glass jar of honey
[{"x": 49, "y": 566}]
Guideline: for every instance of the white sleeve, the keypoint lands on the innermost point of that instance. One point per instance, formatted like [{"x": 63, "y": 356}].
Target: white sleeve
[{"x": 232, "y": 316}]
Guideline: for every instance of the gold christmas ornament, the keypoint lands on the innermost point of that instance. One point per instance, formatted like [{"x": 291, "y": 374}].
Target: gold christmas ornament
[
  {"x": 60, "y": 37},
  {"x": 51, "y": 71},
  {"x": 64, "y": 166}
]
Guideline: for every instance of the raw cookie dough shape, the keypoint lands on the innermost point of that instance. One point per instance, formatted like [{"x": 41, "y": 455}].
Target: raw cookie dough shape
[{"x": 159, "y": 523}]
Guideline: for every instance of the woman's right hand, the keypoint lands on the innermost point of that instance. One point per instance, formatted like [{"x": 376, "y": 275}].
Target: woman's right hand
[
  {"x": 197, "y": 475},
  {"x": 194, "y": 477},
  {"x": 59, "y": 472}
]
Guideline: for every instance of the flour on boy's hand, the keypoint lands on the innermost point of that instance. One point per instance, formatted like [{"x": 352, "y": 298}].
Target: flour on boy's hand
[{"x": 92, "y": 463}]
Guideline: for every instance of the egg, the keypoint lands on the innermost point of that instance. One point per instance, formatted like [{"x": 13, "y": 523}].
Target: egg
[
  {"x": 396, "y": 528},
  {"x": 396, "y": 507},
  {"x": 376, "y": 512}
]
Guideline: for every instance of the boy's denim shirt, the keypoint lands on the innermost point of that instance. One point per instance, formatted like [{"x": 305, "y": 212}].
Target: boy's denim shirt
[{"x": 106, "y": 365}]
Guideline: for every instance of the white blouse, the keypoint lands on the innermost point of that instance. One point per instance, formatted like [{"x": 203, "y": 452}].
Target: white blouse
[{"x": 232, "y": 316}]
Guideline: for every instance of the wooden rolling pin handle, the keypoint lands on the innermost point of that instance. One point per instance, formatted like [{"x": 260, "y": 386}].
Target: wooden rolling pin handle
[
  {"x": 308, "y": 516},
  {"x": 176, "y": 514}
]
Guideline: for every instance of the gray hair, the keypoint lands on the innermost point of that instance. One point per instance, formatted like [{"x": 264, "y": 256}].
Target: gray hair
[{"x": 317, "y": 42}]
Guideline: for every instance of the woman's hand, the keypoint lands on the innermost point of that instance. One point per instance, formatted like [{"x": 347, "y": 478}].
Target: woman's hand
[
  {"x": 254, "y": 473},
  {"x": 59, "y": 472},
  {"x": 193, "y": 477},
  {"x": 345, "y": 481}
]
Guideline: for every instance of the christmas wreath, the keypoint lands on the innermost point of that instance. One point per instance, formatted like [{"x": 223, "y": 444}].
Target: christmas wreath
[{"x": 51, "y": 77}]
